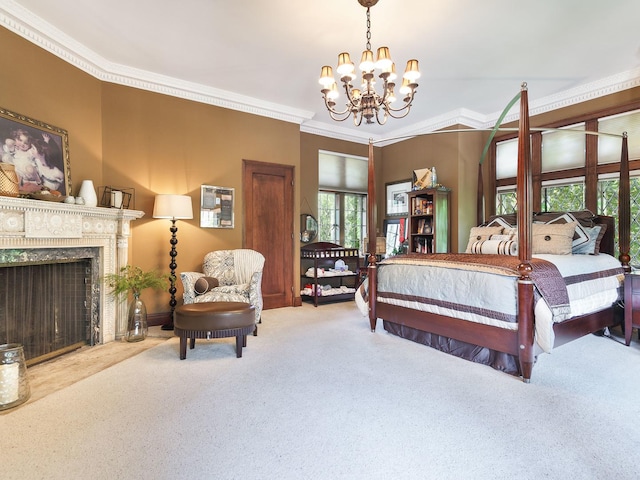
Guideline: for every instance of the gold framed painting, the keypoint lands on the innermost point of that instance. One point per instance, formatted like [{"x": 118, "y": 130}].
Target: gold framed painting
[{"x": 38, "y": 151}]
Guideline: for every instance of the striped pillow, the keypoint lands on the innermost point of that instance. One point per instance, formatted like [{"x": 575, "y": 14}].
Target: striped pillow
[{"x": 495, "y": 247}]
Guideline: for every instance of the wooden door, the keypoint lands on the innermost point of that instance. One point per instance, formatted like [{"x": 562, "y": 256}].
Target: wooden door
[{"x": 268, "y": 224}]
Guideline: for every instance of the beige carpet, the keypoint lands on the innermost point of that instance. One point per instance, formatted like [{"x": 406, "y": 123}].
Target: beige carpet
[
  {"x": 318, "y": 396},
  {"x": 58, "y": 373}
]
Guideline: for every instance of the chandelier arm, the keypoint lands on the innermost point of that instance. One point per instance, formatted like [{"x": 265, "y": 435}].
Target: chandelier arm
[
  {"x": 332, "y": 110},
  {"x": 384, "y": 119},
  {"x": 406, "y": 109}
]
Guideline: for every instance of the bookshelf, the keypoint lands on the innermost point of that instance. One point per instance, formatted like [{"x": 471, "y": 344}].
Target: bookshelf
[{"x": 429, "y": 220}]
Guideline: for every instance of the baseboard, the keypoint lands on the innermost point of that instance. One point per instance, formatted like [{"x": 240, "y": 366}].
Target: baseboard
[{"x": 162, "y": 318}]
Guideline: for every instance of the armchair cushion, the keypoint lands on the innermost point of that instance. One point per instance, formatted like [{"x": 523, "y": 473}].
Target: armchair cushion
[{"x": 238, "y": 274}]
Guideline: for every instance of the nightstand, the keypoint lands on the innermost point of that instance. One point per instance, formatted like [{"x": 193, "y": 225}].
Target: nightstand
[{"x": 631, "y": 304}]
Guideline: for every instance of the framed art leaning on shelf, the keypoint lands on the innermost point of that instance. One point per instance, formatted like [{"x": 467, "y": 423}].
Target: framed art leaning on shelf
[{"x": 38, "y": 151}]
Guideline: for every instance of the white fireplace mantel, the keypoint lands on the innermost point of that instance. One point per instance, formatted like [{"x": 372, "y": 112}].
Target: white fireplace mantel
[{"x": 36, "y": 224}]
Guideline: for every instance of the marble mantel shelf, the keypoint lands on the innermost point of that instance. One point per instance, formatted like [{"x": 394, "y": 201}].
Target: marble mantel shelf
[{"x": 36, "y": 224}]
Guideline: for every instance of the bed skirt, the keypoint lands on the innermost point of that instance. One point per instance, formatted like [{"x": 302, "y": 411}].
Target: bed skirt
[{"x": 498, "y": 360}]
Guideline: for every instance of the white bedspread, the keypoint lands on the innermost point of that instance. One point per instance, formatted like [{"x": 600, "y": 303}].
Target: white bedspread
[{"x": 593, "y": 283}]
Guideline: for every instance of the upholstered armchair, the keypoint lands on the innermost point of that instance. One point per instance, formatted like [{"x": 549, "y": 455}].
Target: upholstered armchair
[{"x": 228, "y": 276}]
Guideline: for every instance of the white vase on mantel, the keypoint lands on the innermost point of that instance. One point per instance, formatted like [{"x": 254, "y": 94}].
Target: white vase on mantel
[{"x": 88, "y": 193}]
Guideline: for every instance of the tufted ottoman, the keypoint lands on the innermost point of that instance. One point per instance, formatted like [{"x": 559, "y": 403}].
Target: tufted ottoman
[{"x": 214, "y": 320}]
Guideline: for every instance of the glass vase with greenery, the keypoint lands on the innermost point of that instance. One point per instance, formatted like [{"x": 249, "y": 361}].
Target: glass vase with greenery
[{"x": 134, "y": 280}]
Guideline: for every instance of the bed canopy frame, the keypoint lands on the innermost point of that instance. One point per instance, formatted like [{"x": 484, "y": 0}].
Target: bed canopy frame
[{"x": 519, "y": 343}]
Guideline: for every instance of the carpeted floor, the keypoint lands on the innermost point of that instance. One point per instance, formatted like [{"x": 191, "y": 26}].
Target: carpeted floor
[{"x": 318, "y": 396}]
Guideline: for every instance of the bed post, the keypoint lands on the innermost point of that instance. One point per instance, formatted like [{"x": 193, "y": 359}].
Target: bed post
[
  {"x": 480, "y": 198},
  {"x": 525, "y": 218},
  {"x": 372, "y": 270},
  {"x": 624, "y": 207}
]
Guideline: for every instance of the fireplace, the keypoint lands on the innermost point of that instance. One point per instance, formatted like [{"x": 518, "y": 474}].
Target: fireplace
[
  {"x": 49, "y": 300},
  {"x": 52, "y": 257}
]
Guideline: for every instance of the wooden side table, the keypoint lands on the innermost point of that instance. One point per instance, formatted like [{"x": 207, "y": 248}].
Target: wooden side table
[{"x": 631, "y": 304}]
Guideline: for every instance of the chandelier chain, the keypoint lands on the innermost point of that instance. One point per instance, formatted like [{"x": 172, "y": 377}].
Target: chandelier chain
[{"x": 368, "y": 29}]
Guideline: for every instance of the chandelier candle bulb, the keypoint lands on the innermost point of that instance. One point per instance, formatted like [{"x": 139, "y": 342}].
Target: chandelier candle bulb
[
  {"x": 365, "y": 103},
  {"x": 366, "y": 62},
  {"x": 412, "y": 72},
  {"x": 345, "y": 65},
  {"x": 383, "y": 61},
  {"x": 326, "y": 76}
]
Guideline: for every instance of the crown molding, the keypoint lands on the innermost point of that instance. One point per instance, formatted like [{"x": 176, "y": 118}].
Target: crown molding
[{"x": 31, "y": 27}]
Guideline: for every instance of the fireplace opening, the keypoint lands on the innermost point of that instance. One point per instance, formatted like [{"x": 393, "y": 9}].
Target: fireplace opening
[{"x": 48, "y": 304}]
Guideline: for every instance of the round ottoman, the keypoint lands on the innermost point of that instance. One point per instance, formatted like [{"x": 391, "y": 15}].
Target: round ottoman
[{"x": 214, "y": 320}]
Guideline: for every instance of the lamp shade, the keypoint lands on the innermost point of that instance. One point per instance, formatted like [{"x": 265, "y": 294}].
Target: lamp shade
[{"x": 176, "y": 207}]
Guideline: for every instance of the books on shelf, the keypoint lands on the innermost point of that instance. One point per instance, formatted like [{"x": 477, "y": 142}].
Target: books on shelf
[
  {"x": 423, "y": 245},
  {"x": 422, "y": 206},
  {"x": 424, "y": 227}
]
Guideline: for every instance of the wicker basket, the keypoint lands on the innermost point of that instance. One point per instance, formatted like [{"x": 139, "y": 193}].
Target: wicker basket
[{"x": 8, "y": 180}]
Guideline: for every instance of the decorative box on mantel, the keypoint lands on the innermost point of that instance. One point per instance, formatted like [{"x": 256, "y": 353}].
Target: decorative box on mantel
[{"x": 35, "y": 230}]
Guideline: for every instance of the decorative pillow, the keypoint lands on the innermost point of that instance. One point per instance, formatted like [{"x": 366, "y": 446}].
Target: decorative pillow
[
  {"x": 553, "y": 238},
  {"x": 504, "y": 221},
  {"x": 481, "y": 233},
  {"x": 603, "y": 229},
  {"x": 592, "y": 247},
  {"x": 204, "y": 284},
  {"x": 580, "y": 236},
  {"x": 495, "y": 247},
  {"x": 504, "y": 237}
]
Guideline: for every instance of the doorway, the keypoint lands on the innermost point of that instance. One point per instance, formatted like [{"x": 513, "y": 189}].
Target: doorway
[{"x": 268, "y": 214}]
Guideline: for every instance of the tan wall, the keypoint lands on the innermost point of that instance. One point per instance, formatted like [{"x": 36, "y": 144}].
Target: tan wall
[
  {"x": 40, "y": 86},
  {"x": 455, "y": 157},
  {"x": 154, "y": 143},
  {"x": 161, "y": 144}
]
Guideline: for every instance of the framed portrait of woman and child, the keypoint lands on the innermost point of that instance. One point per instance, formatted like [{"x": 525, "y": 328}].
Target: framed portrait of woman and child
[{"x": 38, "y": 151}]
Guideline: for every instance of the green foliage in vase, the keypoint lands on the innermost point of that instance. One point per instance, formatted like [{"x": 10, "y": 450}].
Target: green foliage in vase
[{"x": 134, "y": 280}]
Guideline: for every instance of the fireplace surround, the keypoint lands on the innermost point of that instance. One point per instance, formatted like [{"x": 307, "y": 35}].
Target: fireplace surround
[{"x": 40, "y": 232}]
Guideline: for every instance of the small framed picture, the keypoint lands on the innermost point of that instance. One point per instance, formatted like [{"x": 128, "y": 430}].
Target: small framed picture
[
  {"x": 38, "y": 151},
  {"x": 216, "y": 207},
  {"x": 397, "y": 198}
]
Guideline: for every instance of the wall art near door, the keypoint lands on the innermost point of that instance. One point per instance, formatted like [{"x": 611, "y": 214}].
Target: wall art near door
[
  {"x": 216, "y": 207},
  {"x": 40, "y": 154}
]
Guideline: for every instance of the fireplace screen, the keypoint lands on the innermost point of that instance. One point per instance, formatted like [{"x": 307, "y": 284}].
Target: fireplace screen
[{"x": 46, "y": 307}]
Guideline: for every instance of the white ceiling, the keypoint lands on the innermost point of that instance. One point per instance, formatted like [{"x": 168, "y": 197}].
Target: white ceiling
[{"x": 264, "y": 57}]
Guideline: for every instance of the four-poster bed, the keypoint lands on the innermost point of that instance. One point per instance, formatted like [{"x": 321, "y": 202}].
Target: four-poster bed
[{"x": 506, "y": 337}]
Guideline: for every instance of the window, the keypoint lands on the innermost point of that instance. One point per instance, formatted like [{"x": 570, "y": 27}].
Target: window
[
  {"x": 563, "y": 197},
  {"x": 563, "y": 149},
  {"x": 608, "y": 205},
  {"x": 342, "y": 199},
  {"x": 565, "y": 158},
  {"x": 342, "y": 218}
]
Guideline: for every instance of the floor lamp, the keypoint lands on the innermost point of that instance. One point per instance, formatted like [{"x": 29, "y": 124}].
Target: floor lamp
[{"x": 173, "y": 207}]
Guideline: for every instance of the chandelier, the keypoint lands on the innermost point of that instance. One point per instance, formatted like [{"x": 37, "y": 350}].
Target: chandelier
[{"x": 365, "y": 102}]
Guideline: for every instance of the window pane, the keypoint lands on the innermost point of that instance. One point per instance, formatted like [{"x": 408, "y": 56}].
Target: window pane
[
  {"x": 609, "y": 147},
  {"x": 328, "y": 217},
  {"x": 608, "y": 205},
  {"x": 562, "y": 150},
  {"x": 506, "y": 202},
  {"x": 341, "y": 172},
  {"x": 561, "y": 198},
  {"x": 354, "y": 220},
  {"x": 507, "y": 159}
]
